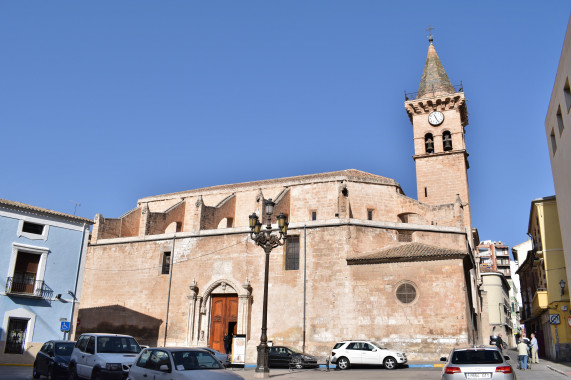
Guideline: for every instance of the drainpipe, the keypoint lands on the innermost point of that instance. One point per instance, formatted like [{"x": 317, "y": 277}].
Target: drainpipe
[
  {"x": 76, "y": 282},
  {"x": 169, "y": 293},
  {"x": 304, "y": 281}
]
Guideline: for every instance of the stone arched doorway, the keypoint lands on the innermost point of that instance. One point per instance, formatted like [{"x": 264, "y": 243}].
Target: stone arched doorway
[{"x": 223, "y": 308}]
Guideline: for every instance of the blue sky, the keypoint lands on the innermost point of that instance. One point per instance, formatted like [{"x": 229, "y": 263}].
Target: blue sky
[{"x": 106, "y": 102}]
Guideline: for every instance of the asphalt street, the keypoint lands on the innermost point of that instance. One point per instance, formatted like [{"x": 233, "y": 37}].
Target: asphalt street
[{"x": 544, "y": 370}]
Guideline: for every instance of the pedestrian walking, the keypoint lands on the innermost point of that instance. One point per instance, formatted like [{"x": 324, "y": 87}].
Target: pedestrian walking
[
  {"x": 522, "y": 353},
  {"x": 534, "y": 346},
  {"x": 500, "y": 342},
  {"x": 227, "y": 343}
]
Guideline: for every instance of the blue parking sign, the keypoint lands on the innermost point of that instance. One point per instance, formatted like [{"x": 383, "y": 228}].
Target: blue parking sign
[
  {"x": 554, "y": 319},
  {"x": 64, "y": 326}
]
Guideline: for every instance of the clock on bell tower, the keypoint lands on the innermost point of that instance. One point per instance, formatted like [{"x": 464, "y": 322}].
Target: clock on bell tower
[{"x": 439, "y": 116}]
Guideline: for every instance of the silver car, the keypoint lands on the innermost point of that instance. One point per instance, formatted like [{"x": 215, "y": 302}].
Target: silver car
[
  {"x": 480, "y": 362},
  {"x": 223, "y": 358},
  {"x": 179, "y": 364}
]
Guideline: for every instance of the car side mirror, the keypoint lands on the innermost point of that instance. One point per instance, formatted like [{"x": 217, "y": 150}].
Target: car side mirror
[
  {"x": 374, "y": 350},
  {"x": 164, "y": 368},
  {"x": 443, "y": 359},
  {"x": 506, "y": 357}
]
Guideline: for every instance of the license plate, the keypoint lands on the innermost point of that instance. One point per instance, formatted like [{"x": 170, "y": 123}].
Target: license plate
[{"x": 478, "y": 375}]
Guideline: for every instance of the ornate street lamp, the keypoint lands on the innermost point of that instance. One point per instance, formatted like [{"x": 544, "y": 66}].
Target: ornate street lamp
[
  {"x": 267, "y": 241},
  {"x": 562, "y": 285}
]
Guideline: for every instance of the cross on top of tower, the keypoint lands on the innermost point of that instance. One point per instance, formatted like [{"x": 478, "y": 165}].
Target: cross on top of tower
[{"x": 430, "y": 38}]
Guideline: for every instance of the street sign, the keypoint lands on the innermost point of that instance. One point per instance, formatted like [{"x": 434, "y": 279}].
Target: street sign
[
  {"x": 554, "y": 319},
  {"x": 64, "y": 326}
]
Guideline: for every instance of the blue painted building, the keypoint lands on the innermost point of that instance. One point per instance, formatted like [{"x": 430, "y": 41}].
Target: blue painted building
[{"x": 42, "y": 253}]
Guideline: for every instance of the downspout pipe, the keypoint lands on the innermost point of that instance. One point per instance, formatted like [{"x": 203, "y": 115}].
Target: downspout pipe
[
  {"x": 74, "y": 295},
  {"x": 169, "y": 292},
  {"x": 304, "y": 282}
]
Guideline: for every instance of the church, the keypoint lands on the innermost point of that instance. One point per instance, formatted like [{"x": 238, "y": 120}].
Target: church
[{"x": 361, "y": 259}]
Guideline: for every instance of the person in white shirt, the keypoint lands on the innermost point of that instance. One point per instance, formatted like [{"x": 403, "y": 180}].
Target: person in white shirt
[{"x": 534, "y": 346}]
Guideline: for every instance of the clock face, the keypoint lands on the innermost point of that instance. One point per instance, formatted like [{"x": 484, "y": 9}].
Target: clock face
[{"x": 436, "y": 118}]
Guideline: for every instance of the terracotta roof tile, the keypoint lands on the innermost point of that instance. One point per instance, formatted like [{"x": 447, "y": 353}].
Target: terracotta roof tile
[
  {"x": 407, "y": 252},
  {"x": 23, "y": 206}
]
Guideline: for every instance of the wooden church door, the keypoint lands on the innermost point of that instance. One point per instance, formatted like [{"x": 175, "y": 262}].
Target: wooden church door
[{"x": 223, "y": 320}]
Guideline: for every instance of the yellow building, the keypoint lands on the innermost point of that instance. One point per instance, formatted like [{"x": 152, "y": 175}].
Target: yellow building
[{"x": 545, "y": 289}]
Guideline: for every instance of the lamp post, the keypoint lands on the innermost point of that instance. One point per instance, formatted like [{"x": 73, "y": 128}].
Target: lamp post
[
  {"x": 562, "y": 285},
  {"x": 267, "y": 241}
]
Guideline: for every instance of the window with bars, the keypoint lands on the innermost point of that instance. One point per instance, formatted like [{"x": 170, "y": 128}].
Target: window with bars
[
  {"x": 292, "y": 253},
  {"x": 406, "y": 293},
  {"x": 166, "y": 263}
]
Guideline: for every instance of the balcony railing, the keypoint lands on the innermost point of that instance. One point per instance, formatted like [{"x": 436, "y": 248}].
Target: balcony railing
[
  {"x": 25, "y": 287},
  {"x": 433, "y": 90}
]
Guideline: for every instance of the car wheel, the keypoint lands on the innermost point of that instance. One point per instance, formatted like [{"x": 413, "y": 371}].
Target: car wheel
[
  {"x": 35, "y": 374},
  {"x": 343, "y": 363},
  {"x": 72, "y": 373},
  {"x": 96, "y": 375},
  {"x": 50, "y": 373},
  {"x": 390, "y": 362}
]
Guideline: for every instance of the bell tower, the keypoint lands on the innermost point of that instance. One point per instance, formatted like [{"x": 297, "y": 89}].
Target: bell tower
[{"x": 439, "y": 116}]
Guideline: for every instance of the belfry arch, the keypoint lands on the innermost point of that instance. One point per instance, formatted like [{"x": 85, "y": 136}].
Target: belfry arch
[{"x": 201, "y": 317}]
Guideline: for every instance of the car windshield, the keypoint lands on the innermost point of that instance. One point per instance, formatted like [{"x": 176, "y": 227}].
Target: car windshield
[
  {"x": 379, "y": 345},
  {"x": 193, "y": 360},
  {"x": 117, "y": 344},
  {"x": 477, "y": 357},
  {"x": 64, "y": 349}
]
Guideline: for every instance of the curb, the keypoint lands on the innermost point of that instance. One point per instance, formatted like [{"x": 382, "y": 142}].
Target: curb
[
  {"x": 333, "y": 366},
  {"x": 557, "y": 370},
  {"x": 16, "y": 365}
]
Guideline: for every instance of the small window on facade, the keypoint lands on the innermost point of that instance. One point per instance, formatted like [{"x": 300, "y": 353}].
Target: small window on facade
[
  {"x": 406, "y": 293},
  {"x": 560, "y": 121},
  {"x": 369, "y": 214},
  {"x": 567, "y": 92},
  {"x": 292, "y": 253},
  {"x": 425, "y": 192},
  {"x": 166, "y": 263},
  {"x": 33, "y": 228},
  {"x": 447, "y": 141},
  {"x": 314, "y": 215},
  {"x": 429, "y": 143},
  {"x": 553, "y": 142}
]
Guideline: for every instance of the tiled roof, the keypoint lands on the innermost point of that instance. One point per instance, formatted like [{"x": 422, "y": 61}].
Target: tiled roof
[
  {"x": 407, "y": 252},
  {"x": 349, "y": 175},
  {"x": 23, "y": 206},
  {"x": 434, "y": 78}
]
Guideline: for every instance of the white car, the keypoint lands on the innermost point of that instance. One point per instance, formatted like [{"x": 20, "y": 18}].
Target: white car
[
  {"x": 365, "y": 352},
  {"x": 103, "y": 356},
  {"x": 179, "y": 364}
]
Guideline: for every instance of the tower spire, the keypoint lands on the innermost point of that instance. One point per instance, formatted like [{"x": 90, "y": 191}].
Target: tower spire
[{"x": 434, "y": 80}]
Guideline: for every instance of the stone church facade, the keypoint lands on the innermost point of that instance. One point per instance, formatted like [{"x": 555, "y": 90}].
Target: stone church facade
[{"x": 362, "y": 260}]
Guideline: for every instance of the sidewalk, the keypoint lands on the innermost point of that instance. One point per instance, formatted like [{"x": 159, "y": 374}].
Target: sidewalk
[{"x": 564, "y": 368}]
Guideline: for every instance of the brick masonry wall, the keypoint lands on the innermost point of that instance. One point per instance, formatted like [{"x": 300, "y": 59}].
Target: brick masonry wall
[{"x": 343, "y": 301}]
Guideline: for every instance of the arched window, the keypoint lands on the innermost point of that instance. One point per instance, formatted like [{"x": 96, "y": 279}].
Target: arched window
[
  {"x": 429, "y": 143},
  {"x": 447, "y": 140}
]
